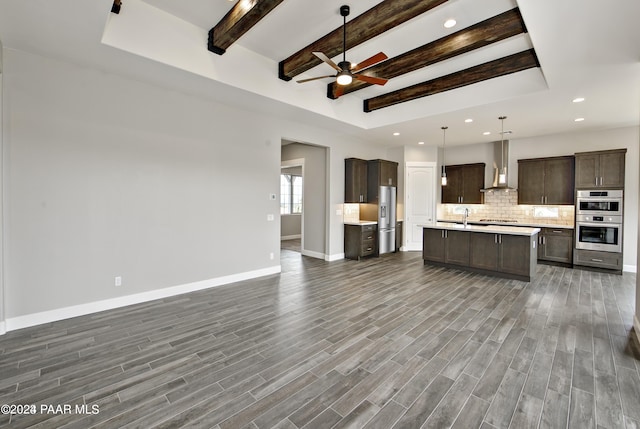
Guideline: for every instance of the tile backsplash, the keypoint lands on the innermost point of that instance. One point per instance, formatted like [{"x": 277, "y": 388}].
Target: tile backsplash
[{"x": 504, "y": 205}]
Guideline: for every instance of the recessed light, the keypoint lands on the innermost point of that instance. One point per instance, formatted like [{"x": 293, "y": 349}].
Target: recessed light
[
  {"x": 578, "y": 119},
  {"x": 396, "y": 133},
  {"x": 468, "y": 121},
  {"x": 449, "y": 23},
  {"x": 421, "y": 143},
  {"x": 486, "y": 133},
  {"x": 578, "y": 100}
]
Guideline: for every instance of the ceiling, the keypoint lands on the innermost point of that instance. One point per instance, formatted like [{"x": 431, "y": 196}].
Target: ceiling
[{"x": 584, "y": 50}]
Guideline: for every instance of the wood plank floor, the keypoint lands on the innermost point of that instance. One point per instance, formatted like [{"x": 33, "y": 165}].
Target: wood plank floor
[{"x": 381, "y": 343}]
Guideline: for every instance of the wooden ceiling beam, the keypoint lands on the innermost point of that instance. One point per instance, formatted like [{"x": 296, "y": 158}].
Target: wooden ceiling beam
[
  {"x": 242, "y": 16},
  {"x": 484, "y": 33},
  {"x": 375, "y": 21},
  {"x": 115, "y": 7},
  {"x": 503, "y": 66}
]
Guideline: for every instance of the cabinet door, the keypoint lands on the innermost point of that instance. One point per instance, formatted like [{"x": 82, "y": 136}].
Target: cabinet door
[
  {"x": 587, "y": 170},
  {"x": 457, "y": 247},
  {"x": 514, "y": 254},
  {"x": 557, "y": 245},
  {"x": 388, "y": 173},
  {"x": 451, "y": 192},
  {"x": 355, "y": 180},
  {"x": 612, "y": 170},
  {"x": 559, "y": 176},
  {"x": 530, "y": 182},
  {"x": 433, "y": 244},
  {"x": 483, "y": 251},
  {"x": 472, "y": 183}
]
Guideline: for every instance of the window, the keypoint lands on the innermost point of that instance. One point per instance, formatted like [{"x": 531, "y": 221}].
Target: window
[{"x": 290, "y": 194}]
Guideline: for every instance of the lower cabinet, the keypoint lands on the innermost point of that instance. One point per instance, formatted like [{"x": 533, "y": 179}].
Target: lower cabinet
[
  {"x": 360, "y": 240},
  {"x": 500, "y": 254},
  {"x": 555, "y": 245},
  {"x": 597, "y": 259},
  {"x": 507, "y": 254},
  {"x": 398, "y": 235},
  {"x": 449, "y": 247}
]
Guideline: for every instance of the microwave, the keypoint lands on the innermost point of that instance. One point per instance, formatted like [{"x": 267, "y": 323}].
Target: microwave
[{"x": 601, "y": 203}]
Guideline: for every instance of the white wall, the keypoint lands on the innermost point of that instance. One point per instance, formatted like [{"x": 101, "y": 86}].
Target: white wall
[{"x": 107, "y": 176}]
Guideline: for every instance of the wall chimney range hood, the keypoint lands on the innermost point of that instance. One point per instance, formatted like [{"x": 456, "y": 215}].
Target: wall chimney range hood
[{"x": 500, "y": 158}]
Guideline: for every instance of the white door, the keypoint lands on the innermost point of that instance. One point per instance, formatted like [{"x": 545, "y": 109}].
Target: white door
[{"x": 420, "y": 201}]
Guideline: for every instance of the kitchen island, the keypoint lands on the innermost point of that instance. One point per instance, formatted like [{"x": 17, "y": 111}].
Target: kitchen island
[{"x": 504, "y": 251}]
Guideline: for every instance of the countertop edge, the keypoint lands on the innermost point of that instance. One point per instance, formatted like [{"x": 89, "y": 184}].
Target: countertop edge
[{"x": 489, "y": 229}]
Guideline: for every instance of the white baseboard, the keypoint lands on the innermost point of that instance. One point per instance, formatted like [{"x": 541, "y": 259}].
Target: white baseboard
[
  {"x": 630, "y": 268},
  {"x": 331, "y": 258},
  {"x": 290, "y": 237},
  {"x": 313, "y": 254},
  {"x": 3, "y": 328},
  {"x": 636, "y": 326},
  {"x": 34, "y": 319},
  {"x": 412, "y": 248}
]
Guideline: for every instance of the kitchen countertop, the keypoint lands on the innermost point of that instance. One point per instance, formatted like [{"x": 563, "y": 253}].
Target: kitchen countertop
[
  {"x": 362, "y": 222},
  {"x": 529, "y": 225},
  {"x": 489, "y": 228}
]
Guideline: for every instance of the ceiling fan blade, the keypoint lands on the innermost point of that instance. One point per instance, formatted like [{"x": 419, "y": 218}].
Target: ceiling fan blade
[
  {"x": 314, "y": 78},
  {"x": 327, "y": 60},
  {"x": 380, "y": 56},
  {"x": 370, "y": 79}
]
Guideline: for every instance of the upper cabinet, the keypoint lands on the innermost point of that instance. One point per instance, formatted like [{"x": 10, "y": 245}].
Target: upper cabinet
[
  {"x": 464, "y": 184},
  {"x": 603, "y": 169},
  {"x": 355, "y": 180},
  {"x": 546, "y": 180},
  {"x": 380, "y": 173}
]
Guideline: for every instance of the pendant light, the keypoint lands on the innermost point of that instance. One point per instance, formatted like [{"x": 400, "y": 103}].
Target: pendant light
[
  {"x": 444, "y": 173},
  {"x": 502, "y": 176}
]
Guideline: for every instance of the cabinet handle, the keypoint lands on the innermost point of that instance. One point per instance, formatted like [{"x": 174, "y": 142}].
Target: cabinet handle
[
  {"x": 495, "y": 238},
  {"x": 541, "y": 200},
  {"x": 596, "y": 180},
  {"x": 557, "y": 232},
  {"x": 596, "y": 260},
  {"x": 499, "y": 239}
]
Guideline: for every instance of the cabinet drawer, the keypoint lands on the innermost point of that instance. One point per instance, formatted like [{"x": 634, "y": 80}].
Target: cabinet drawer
[
  {"x": 368, "y": 248},
  {"x": 592, "y": 258},
  {"x": 368, "y": 228},
  {"x": 564, "y": 232},
  {"x": 368, "y": 235}
]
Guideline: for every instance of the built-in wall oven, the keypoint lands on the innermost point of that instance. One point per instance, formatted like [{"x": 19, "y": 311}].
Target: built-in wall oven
[{"x": 599, "y": 220}]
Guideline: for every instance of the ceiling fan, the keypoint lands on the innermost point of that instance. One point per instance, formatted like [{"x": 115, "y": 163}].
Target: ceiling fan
[{"x": 346, "y": 71}]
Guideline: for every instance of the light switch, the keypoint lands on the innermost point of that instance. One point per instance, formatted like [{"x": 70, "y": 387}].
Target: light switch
[
  {"x": 272, "y": 197},
  {"x": 270, "y": 217}
]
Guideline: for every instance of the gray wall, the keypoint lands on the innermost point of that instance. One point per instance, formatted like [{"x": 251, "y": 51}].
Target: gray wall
[
  {"x": 314, "y": 197},
  {"x": 108, "y": 176}
]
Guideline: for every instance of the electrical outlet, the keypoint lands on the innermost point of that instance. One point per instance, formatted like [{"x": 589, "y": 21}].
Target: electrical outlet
[
  {"x": 118, "y": 281},
  {"x": 270, "y": 217},
  {"x": 271, "y": 256},
  {"x": 272, "y": 197}
]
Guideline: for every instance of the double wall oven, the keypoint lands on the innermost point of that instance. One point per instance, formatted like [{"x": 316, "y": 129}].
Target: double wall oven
[{"x": 599, "y": 220}]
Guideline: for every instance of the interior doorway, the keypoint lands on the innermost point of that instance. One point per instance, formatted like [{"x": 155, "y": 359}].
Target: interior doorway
[
  {"x": 291, "y": 204},
  {"x": 420, "y": 201},
  {"x": 313, "y": 160}
]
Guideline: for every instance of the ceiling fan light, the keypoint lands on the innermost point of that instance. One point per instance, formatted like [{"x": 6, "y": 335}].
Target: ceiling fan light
[{"x": 344, "y": 78}]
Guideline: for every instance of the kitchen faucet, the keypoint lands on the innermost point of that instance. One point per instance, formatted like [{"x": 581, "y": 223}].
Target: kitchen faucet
[{"x": 464, "y": 217}]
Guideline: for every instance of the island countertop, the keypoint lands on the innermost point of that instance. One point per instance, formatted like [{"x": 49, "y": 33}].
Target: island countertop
[{"x": 491, "y": 229}]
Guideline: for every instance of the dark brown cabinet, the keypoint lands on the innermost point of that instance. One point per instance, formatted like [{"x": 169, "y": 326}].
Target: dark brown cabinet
[
  {"x": 355, "y": 180},
  {"x": 555, "y": 245},
  {"x": 598, "y": 259},
  {"x": 508, "y": 254},
  {"x": 446, "y": 246},
  {"x": 501, "y": 254},
  {"x": 360, "y": 241},
  {"x": 602, "y": 169},
  {"x": 398, "y": 235},
  {"x": 380, "y": 173},
  {"x": 546, "y": 180},
  {"x": 464, "y": 184}
]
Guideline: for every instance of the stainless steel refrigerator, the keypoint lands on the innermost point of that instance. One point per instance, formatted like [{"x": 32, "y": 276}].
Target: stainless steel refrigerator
[{"x": 387, "y": 219}]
